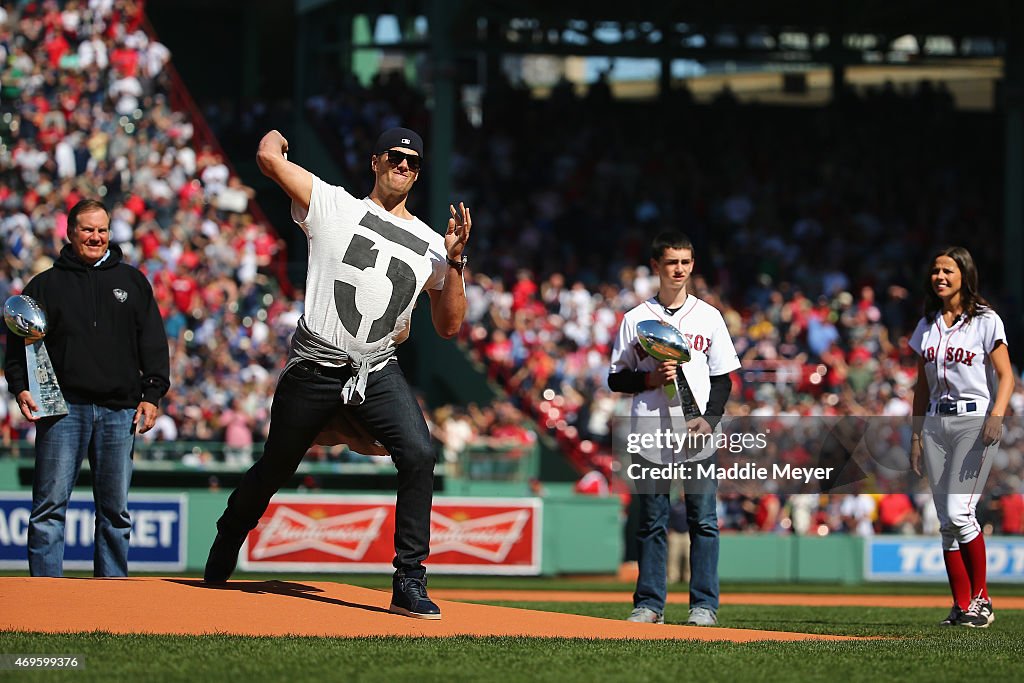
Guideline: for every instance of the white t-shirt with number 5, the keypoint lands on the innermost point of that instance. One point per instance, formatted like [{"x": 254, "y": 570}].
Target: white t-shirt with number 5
[{"x": 366, "y": 269}]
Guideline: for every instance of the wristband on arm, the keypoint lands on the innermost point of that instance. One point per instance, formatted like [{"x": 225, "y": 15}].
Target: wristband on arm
[
  {"x": 628, "y": 381},
  {"x": 721, "y": 387}
]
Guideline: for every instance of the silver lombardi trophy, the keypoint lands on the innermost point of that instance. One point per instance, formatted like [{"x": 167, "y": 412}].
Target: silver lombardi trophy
[
  {"x": 664, "y": 342},
  {"x": 26, "y": 319}
]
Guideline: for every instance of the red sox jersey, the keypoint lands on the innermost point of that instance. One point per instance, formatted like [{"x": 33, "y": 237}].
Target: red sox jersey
[
  {"x": 711, "y": 353},
  {"x": 956, "y": 358}
]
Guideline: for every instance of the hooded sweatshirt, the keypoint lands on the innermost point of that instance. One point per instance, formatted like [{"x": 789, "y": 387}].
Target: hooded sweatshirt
[{"x": 105, "y": 336}]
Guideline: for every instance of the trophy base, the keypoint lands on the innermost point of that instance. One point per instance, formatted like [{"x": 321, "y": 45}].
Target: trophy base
[
  {"x": 686, "y": 401},
  {"x": 42, "y": 381},
  {"x": 55, "y": 410}
]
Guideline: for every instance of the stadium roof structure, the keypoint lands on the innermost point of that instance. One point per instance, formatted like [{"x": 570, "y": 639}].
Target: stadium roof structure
[
  {"x": 837, "y": 32},
  {"x": 833, "y": 33}
]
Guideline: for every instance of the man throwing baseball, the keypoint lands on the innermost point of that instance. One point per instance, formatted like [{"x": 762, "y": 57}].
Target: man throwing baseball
[{"x": 369, "y": 259}]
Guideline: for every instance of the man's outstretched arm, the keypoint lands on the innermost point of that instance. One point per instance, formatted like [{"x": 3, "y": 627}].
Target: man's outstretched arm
[{"x": 296, "y": 181}]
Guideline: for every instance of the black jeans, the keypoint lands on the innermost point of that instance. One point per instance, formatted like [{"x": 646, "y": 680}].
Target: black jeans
[{"x": 307, "y": 396}]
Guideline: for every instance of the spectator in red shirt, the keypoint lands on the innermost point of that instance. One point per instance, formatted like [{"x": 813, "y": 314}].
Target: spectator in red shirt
[
  {"x": 523, "y": 290},
  {"x": 1012, "y": 506},
  {"x": 185, "y": 289},
  {"x": 125, "y": 60},
  {"x": 508, "y": 428},
  {"x": 766, "y": 517},
  {"x": 593, "y": 483},
  {"x": 56, "y": 47},
  {"x": 896, "y": 514}
]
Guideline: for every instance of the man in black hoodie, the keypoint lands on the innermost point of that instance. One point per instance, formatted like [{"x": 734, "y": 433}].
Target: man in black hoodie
[{"x": 107, "y": 343}]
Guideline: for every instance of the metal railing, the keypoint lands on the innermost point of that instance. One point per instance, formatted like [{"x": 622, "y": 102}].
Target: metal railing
[
  {"x": 216, "y": 455},
  {"x": 511, "y": 463},
  {"x": 518, "y": 463}
]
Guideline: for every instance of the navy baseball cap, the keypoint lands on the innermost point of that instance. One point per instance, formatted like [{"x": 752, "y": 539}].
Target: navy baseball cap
[{"x": 399, "y": 137}]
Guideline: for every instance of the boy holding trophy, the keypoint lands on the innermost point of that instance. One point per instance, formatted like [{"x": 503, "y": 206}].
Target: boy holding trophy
[{"x": 674, "y": 354}]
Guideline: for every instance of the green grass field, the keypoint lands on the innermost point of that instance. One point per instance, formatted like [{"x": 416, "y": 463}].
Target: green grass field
[{"x": 910, "y": 647}]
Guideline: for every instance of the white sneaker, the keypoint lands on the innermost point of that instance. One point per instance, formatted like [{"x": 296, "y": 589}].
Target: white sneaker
[
  {"x": 702, "y": 616},
  {"x": 645, "y": 615},
  {"x": 979, "y": 614}
]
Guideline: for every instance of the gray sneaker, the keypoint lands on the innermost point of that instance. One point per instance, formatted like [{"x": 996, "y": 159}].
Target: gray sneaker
[
  {"x": 702, "y": 616},
  {"x": 645, "y": 615}
]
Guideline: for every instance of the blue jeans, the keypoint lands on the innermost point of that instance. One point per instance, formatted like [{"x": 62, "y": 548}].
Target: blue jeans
[
  {"x": 652, "y": 539},
  {"x": 306, "y": 398},
  {"x": 107, "y": 437}
]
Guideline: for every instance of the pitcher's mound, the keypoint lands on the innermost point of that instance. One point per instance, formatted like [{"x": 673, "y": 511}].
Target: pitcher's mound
[{"x": 277, "y": 608}]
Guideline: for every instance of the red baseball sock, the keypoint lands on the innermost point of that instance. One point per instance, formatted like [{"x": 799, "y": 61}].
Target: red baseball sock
[
  {"x": 959, "y": 581},
  {"x": 975, "y": 561}
]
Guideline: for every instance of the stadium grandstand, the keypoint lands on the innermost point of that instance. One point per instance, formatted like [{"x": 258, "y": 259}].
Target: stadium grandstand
[{"x": 811, "y": 209}]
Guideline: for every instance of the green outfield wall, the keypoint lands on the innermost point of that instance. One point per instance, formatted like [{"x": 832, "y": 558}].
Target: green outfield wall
[{"x": 791, "y": 559}]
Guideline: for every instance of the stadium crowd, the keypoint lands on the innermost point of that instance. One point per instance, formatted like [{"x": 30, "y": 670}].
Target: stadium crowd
[
  {"x": 85, "y": 113},
  {"x": 808, "y": 226}
]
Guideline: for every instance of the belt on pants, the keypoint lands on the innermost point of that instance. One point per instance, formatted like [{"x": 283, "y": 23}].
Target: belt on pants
[
  {"x": 343, "y": 372},
  {"x": 952, "y": 407}
]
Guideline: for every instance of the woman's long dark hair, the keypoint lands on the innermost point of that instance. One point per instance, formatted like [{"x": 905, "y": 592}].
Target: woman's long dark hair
[{"x": 973, "y": 303}]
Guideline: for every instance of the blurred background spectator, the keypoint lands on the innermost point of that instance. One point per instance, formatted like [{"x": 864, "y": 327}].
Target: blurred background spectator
[{"x": 805, "y": 223}]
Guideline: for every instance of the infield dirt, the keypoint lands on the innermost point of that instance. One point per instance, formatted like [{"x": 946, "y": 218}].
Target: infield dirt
[{"x": 277, "y": 608}]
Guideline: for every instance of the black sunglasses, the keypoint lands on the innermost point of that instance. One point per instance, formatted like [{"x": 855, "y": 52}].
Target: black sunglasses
[{"x": 395, "y": 159}]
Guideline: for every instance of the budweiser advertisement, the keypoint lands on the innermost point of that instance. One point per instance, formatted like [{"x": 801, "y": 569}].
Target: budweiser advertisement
[{"x": 356, "y": 534}]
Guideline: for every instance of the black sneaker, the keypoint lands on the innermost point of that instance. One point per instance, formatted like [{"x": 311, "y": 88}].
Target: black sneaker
[
  {"x": 223, "y": 557},
  {"x": 955, "y": 615},
  {"x": 409, "y": 596},
  {"x": 979, "y": 614}
]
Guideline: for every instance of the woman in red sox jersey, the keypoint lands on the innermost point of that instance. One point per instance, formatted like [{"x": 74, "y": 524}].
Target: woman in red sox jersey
[{"x": 962, "y": 347}]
